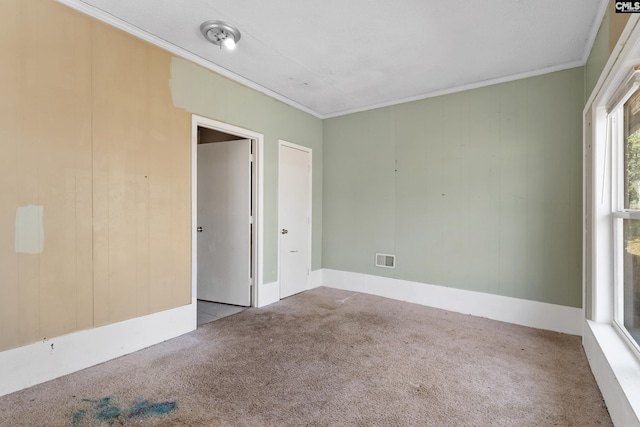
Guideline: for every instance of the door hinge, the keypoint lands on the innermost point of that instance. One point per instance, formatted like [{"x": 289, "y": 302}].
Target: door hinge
[
  {"x": 250, "y": 220},
  {"x": 251, "y": 281},
  {"x": 251, "y": 157}
]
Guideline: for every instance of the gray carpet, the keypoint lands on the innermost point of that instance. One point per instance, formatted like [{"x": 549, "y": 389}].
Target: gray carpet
[{"x": 331, "y": 358}]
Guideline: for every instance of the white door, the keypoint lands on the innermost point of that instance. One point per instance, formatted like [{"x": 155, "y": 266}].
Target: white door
[
  {"x": 294, "y": 211},
  {"x": 224, "y": 209}
]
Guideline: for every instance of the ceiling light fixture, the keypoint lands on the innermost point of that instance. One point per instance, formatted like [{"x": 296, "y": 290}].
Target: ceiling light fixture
[{"x": 220, "y": 33}]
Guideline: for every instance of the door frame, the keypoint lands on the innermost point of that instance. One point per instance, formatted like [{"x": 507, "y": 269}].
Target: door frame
[
  {"x": 257, "y": 142},
  {"x": 283, "y": 143}
]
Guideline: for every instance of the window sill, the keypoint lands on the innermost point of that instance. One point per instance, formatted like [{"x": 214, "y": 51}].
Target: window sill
[{"x": 616, "y": 370}]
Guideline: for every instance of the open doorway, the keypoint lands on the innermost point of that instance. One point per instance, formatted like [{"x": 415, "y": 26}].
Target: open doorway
[{"x": 226, "y": 220}]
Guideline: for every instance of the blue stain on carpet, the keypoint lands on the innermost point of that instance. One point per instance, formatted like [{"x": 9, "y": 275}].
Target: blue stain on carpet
[
  {"x": 78, "y": 417},
  {"x": 102, "y": 403},
  {"x": 144, "y": 408},
  {"x": 109, "y": 414},
  {"x": 106, "y": 411}
]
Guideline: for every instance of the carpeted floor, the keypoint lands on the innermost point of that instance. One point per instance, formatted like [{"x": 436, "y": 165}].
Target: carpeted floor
[{"x": 331, "y": 358}]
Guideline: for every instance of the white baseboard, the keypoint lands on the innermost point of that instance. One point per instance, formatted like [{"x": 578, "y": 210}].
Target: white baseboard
[
  {"x": 315, "y": 279},
  {"x": 269, "y": 293},
  {"x": 616, "y": 370},
  {"x": 36, "y": 363},
  {"x": 512, "y": 310}
]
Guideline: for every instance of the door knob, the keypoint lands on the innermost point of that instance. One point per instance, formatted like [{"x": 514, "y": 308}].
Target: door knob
[
  {"x": 199, "y": 229},
  {"x": 284, "y": 231}
]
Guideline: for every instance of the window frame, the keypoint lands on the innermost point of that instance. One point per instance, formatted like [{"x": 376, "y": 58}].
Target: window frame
[{"x": 616, "y": 137}]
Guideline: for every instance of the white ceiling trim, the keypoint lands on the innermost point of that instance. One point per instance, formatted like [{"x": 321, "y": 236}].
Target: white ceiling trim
[
  {"x": 176, "y": 50},
  {"x": 461, "y": 88},
  {"x": 585, "y": 56},
  {"x": 594, "y": 31}
]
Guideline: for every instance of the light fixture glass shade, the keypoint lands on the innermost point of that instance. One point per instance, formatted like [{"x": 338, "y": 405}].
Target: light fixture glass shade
[{"x": 229, "y": 43}]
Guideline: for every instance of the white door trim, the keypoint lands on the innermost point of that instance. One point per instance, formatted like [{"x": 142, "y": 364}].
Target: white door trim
[
  {"x": 258, "y": 200},
  {"x": 283, "y": 143}
]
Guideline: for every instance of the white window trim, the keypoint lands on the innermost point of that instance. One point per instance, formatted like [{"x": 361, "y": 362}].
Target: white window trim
[
  {"x": 613, "y": 361},
  {"x": 619, "y": 213}
]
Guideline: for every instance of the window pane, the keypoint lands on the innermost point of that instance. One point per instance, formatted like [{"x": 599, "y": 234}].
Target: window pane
[
  {"x": 631, "y": 286},
  {"x": 632, "y": 152}
]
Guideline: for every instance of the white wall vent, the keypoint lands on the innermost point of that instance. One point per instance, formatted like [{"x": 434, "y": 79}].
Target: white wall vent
[{"x": 385, "y": 260}]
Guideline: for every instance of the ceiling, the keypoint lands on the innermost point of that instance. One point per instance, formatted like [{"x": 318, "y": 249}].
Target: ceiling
[{"x": 333, "y": 57}]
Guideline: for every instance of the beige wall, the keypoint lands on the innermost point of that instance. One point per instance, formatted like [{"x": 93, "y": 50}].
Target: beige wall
[
  {"x": 88, "y": 131},
  {"x": 141, "y": 181},
  {"x": 617, "y": 22},
  {"x": 95, "y": 127}
]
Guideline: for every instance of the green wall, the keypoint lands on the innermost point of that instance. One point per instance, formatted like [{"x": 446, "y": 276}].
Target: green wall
[
  {"x": 208, "y": 94},
  {"x": 486, "y": 195},
  {"x": 598, "y": 56},
  {"x": 478, "y": 190}
]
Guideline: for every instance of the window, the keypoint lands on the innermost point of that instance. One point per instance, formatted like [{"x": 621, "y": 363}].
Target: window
[
  {"x": 611, "y": 215},
  {"x": 625, "y": 121}
]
